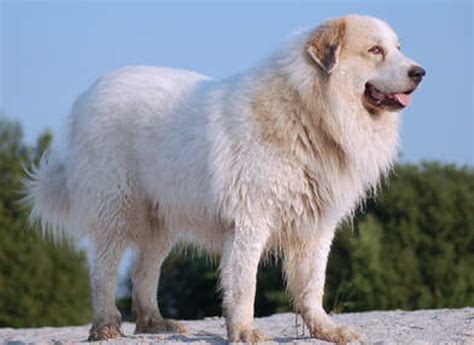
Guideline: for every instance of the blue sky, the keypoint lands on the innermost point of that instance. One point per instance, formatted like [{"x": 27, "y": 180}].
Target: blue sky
[{"x": 51, "y": 51}]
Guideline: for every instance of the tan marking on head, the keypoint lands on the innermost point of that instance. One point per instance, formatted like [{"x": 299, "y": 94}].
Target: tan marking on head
[
  {"x": 364, "y": 32},
  {"x": 325, "y": 44}
]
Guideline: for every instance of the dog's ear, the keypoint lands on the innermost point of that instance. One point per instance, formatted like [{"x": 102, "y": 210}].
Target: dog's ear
[{"x": 325, "y": 43}]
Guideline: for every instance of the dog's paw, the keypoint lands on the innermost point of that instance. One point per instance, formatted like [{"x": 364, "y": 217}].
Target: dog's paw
[
  {"x": 105, "y": 332},
  {"x": 249, "y": 336},
  {"x": 335, "y": 334},
  {"x": 159, "y": 326}
]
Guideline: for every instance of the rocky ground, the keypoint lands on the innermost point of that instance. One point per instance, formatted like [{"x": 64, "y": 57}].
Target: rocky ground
[{"x": 441, "y": 326}]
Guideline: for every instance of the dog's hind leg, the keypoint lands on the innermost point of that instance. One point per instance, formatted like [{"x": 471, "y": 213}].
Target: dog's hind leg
[
  {"x": 109, "y": 246},
  {"x": 152, "y": 248}
]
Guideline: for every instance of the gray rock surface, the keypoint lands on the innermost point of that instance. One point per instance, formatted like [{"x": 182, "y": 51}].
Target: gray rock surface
[{"x": 440, "y": 326}]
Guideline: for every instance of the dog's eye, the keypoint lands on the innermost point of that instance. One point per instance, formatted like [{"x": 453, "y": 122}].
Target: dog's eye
[{"x": 377, "y": 50}]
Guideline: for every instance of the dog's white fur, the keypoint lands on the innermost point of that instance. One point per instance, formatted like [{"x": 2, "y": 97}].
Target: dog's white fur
[{"x": 272, "y": 159}]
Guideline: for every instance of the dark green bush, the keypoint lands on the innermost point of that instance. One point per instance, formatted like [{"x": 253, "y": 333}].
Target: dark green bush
[
  {"x": 413, "y": 248},
  {"x": 40, "y": 283}
]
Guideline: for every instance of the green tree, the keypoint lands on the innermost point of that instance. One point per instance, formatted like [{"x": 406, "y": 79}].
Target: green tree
[
  {"x": 414, "y": 248},
  {"x": 41, "y": 283},
  {"x": 189, "y": 288}
]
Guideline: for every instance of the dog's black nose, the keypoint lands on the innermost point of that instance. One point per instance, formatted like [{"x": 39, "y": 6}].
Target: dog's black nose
[{"x": 416, "y": 73}]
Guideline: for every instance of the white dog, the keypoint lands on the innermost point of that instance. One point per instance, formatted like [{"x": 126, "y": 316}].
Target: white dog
[{"x": 270, "y": 160}]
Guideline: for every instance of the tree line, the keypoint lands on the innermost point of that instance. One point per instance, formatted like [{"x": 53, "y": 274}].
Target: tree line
[{"x": 412, "y": 247}]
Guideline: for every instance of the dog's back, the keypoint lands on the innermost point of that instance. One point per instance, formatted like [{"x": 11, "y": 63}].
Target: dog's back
[{"x": 98, "y": 164}]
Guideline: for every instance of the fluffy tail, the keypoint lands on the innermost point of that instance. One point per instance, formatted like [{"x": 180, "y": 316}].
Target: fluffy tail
[{"x": 46, "y": 193}]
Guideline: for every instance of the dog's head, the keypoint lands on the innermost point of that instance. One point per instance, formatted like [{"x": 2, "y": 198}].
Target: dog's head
[{"x": 363, "y": 54}]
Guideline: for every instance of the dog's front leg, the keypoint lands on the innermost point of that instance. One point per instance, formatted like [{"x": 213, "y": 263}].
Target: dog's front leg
[
  {"x": 305, "y": 269},
  {"x": 240, "y": 258}
]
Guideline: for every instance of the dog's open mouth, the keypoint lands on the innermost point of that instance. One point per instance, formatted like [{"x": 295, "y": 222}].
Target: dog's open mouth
[{"x": 390, "y": 101}]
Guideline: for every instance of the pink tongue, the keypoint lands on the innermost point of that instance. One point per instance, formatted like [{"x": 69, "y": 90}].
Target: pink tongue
[{"x": 403, "y": 99}]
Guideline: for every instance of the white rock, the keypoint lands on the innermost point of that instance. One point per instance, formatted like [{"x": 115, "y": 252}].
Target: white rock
[{"x": 439, "y": 326}]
